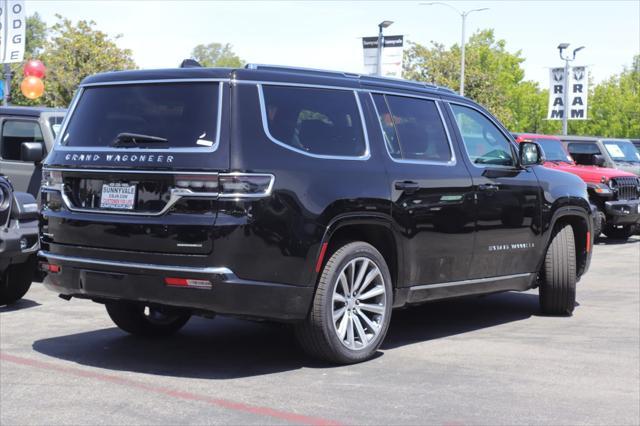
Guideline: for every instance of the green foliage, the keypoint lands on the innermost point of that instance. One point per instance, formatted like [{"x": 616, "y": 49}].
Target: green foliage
[
  {"x": 216, "y": 55},
  {"x": 494, "y": 78},
  {"x": 73, "y": 52}
]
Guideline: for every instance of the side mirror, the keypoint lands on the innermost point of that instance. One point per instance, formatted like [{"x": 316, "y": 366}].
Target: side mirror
[
  {"x": 25, "y": 206},
  {"x": 530, "y": 154},
  {"x": 598, "y": 160},
  {"x": 32, "y": 152}
]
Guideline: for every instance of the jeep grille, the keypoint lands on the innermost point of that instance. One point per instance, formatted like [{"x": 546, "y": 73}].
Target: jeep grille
[{"x": 626, "y": 187}]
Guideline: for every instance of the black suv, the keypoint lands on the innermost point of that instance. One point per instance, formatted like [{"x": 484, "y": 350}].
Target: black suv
[
  {"x": 319, "y": 198},
  {"x": 18, "y": 242}
]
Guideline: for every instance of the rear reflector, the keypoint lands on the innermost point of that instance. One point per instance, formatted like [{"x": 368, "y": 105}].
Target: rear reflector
[
  {"x": 188, "y": 282},
  {"x": 588, "y": 241},
  {"x": 323, "y": 251},
  {"x": 47, "y": 267}
]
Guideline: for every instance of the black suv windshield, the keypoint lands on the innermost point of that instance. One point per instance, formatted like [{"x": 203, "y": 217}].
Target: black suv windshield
[
  {"x": 182, "y": 115},
  {"x": 553, "y": 150},
  {"x": 622, "y": 151}
]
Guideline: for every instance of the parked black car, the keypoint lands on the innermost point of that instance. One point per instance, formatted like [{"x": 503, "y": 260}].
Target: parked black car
[
  {"x": 18, "y": 242},
  {"x": 319, "y": 198}
]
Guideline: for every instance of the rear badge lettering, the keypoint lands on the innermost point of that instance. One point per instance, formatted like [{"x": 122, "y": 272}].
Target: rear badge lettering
[{"x": 118, "y": 158}]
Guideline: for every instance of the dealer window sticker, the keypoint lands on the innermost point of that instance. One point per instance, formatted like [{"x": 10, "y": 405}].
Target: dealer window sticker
[{"x": 614, "y": 150}]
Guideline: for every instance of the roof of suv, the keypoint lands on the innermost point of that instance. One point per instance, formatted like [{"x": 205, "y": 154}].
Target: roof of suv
[
  {"x": 271, "y": 73},
  {"x": 28, "y": 111},
  {"x": 573, "y": 138}
]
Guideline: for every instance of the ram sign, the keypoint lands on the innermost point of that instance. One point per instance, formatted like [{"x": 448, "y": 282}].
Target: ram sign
[{"x": 577, "y": 85}]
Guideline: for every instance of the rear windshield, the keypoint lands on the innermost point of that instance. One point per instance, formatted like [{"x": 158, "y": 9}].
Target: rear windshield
[{"x": 163, "y": 115}]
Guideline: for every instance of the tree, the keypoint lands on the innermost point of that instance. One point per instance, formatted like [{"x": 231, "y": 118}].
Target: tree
[
  {"x": 493, "y": 77},
  {"x": 216, "y": 55}
]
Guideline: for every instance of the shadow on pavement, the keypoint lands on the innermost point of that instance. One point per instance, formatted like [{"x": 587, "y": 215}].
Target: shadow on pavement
[
  {"x": 19, "y": 305},
  {"x": 227, "y": 348},
  {"x": 615, "y": 242}
]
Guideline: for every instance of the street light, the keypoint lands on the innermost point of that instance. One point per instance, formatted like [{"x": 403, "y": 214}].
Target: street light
[
  {"x": 463, "y": 14},
  {"x": 565, "y": 90},
  {"x": 381, "y": 25}
]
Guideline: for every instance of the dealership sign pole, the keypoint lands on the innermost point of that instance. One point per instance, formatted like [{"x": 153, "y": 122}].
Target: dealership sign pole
[
  {"x": 568, "y": 96},
  {"x": 12, "y": 38}
]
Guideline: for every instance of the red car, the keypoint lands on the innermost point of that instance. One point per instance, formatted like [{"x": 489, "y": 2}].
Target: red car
[{"x": 615, "y": 193}]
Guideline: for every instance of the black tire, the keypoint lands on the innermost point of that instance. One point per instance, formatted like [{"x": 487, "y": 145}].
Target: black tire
[
  {"x": 599, "y": 220},
  {"x": 142, "y": 320},
  {"x": 558, "y": 276},
  {"x": 317, "y": 334},
  {"x": 16, "y": 281},
  {"x": 618, "y": 233}
]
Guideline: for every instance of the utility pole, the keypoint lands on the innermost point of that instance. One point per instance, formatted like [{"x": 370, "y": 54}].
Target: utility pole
[
  {"x": 463, "y": 14},
  {"x": 565, "y": 90},
  {"x": 381, "y": 25},
  {"x": 7, "y": 84}
]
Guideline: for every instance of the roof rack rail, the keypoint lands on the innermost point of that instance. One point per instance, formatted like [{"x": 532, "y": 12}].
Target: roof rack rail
[{"x": 364, "y": 78}]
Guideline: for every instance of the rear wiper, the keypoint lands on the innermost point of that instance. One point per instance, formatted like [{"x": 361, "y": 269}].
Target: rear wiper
[{"x": 128, "y": 139}]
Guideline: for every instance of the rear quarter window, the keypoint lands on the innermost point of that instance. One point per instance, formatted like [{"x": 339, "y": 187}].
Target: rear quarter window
[{"x": 316, "y": 122}]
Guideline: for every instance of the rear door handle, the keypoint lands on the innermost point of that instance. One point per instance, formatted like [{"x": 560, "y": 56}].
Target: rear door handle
[
  {"x": 407, "y": 186},
  {"x": 488, "y": 187}
]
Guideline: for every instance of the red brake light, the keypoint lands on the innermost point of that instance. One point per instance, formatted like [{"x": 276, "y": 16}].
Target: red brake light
[{"x": 188, "y": 282}]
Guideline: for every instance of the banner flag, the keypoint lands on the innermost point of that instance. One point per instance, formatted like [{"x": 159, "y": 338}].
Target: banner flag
[
  {"x": 578, "y": 89},
  {"x": 12, "y": 31},
  {"x": 392, "y": 50}
]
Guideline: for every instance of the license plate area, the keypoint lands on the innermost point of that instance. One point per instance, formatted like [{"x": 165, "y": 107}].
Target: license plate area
[{"x": 118, "y": 196}]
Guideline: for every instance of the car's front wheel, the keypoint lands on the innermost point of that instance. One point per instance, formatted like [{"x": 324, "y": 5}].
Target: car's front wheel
[
  {"x": 142, "y": 320},
  {"x": 351, "y": 308},
  {"x": 558, "y": 276}
]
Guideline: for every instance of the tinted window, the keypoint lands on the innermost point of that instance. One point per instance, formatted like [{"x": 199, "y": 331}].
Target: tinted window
[
  {"x": 386, "y": 121},
  {"x": 185, "y": 114},
  {"x": 14, "y": 132},
  {"x": 419, "y": 131},
  {"x": 316, "y": 121},
  {"x": 484, "y": 142}
]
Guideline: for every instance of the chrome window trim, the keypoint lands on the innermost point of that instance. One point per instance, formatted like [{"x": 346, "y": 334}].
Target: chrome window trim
[
  {"x": 152, "y": 81},
  {"x": 451, "y": 162},
  {"x": 467, "y": 282},
  {"x": 496, "y": 124},
  {"x": 265, "y": 127},
  {"x": 129, "y": 171},
  {"x": 133, "y": 265},
  {"x": 58, "y": 146}
]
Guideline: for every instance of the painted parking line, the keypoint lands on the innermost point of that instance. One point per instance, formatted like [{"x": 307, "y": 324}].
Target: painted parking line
[{"x": 160, "y": 390}]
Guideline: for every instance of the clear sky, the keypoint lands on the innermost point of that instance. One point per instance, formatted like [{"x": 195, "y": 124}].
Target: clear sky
[{"x": 326, "y": 34}]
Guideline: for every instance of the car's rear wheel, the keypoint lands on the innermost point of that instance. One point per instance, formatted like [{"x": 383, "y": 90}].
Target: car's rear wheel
[
  {"x": 618, "y": 232},
  {"x": 558, "y": 276},
  {"x": 351, "y": 308},
  {"x": 16, "y": 281},
  {"x": 142, "y": 320}
]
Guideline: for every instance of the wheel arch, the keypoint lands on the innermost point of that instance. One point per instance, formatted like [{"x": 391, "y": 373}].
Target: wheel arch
[
  {"x": 374, "y": 229},
  {"x": 581, "y": 223}
]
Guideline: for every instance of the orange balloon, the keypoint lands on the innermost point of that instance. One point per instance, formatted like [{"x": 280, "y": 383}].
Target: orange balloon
[{"x": 32, "y": 87}]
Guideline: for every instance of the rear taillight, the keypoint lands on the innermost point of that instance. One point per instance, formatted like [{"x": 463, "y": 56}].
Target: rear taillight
[
  {"x": 239, "y": 185},
  {"x": 225, "y": 185}
]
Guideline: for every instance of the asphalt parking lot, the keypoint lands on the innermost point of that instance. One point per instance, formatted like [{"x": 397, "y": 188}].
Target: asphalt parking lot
[{"x": 490, "y": 360}]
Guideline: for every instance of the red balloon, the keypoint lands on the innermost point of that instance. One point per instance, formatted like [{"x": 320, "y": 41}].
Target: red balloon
[
  {"x": 34, "y": 68},
  {"x": 32, "y": 87}
]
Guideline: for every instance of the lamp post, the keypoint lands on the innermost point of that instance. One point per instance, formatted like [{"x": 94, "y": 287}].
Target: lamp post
[
  {"x": 381, "y": 25},
  {"x": 565, "y": 90},
  {"x": 463, "y": 14}
]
